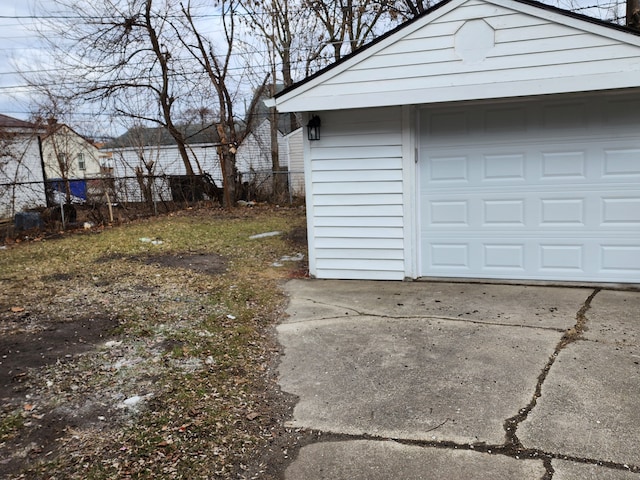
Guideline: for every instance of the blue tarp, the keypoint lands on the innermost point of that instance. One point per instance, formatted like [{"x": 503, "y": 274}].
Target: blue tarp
[{"x": 78, "y": 187}]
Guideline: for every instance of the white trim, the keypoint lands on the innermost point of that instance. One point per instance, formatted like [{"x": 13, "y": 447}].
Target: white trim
[
  {"x": 416, "y": 185},
  {"x": 604, "y": 82},
  {"x": 410, "y": 200},
  {"x": 580, "y": 24},
  {"x": 309, "y": 200}
]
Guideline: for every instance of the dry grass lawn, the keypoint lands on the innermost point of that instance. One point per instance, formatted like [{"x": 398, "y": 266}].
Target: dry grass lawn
[{"x": 147, "y": 350}]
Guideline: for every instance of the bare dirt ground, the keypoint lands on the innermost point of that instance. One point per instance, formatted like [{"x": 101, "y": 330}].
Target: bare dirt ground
[{"x": 143, "y": 362}]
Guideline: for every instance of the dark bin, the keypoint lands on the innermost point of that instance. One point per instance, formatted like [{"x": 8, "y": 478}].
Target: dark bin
[
  {"x": 27, "y": 221},
  {"x": 186, "y": 188}
]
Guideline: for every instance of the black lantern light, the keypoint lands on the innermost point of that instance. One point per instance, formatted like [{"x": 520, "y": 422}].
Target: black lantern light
[{"x": 313, "y": 128}]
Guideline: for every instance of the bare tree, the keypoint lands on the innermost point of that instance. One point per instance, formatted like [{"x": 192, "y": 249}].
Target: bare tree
[
  {"x": 149, "y": 60},
  {"x": 406, "y": 9},
  {"x": 288, "y": 32},
  {"x": 113, "y": 51},
  {"x": 348, "y": 25},
  {"x": 216, "y": 62}
]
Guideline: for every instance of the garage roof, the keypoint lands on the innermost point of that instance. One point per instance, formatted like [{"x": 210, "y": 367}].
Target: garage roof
[{"x": 475, "y": 49}]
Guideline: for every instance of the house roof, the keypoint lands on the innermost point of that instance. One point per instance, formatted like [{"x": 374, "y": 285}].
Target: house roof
[
  {"x": 14, "y": 123},
  {"x": 53, "y": 129},
  {"x": 530, "y": 49},
  {"x": 155, "y": 136}
]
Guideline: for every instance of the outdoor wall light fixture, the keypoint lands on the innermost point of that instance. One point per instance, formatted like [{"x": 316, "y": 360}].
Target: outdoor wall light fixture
[{"x": 313, "y": 128}]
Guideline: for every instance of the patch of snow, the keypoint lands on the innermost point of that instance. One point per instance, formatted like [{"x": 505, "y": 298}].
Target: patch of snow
[
  {"x": 152, "y": 241},
  {"x": 132, "y": 401},
  {"x": 288, "y": 258},
  {"x": 265, "y": 235},
  {"x": 292, "y": 258}
]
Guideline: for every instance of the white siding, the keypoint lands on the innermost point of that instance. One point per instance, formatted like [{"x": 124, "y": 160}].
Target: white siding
[
  {"x": 355, "y": 196},
  {"x": 254, "y": 154},
  {"x": 21, "y": 176},
  {"x": 166, "y": 161},
  {"x": 530, "y": 51},
  {"x": 295, "y": 161}
]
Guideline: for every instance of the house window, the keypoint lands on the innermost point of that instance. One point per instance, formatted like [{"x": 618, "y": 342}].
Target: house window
[{"x": 81, "y": 163}]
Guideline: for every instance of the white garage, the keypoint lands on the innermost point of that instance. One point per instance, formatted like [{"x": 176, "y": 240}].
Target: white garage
[{"x": 491, "y": 139}]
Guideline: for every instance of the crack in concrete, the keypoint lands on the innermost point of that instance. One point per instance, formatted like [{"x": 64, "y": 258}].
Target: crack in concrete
[
  {"x": 504, "y": 450},
  {"x": 423, "y": 317},
  {"x": 571, "y": 335}
]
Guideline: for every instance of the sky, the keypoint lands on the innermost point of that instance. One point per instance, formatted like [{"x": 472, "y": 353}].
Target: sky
[
  {"x": 20, "y": 49},
  {"x": 19, "y": 46},
  {"x": 17, "y": 43}
]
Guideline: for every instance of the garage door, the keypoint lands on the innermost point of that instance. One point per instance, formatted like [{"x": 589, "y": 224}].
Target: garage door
[{"x": 532, "y": 190}]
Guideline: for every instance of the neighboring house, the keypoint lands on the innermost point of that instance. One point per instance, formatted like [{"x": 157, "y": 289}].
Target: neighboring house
[
  {"x": 155, "y": 153},
  {"x": 69, "y": 157},
  {"x": 152, "y": 152},
  {"x": 21, "y": 168},
  {"x": 491, "y": 139},
  {"x": 68, "y": 154},
  {"x": 253, "y": 158},
  {"x": 130, "y": 164},
  {"x": 295, "y": 161},
  {"x": 163, "y": 160}
]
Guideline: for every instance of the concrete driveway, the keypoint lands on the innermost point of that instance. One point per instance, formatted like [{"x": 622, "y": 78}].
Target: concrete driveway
[{"x": 424, "y": 380}]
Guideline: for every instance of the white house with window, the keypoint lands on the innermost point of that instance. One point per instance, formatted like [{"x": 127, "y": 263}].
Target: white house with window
[
  {"x": 69, "y": 155},
  {"x": 72, "y": 165}
]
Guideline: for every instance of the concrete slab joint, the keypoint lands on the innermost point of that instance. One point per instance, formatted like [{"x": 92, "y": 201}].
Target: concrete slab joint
[{"x": 530, "y": 381}]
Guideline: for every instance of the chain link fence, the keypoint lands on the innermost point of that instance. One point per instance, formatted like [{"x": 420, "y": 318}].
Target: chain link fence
[{"x": 60, "y": 203}]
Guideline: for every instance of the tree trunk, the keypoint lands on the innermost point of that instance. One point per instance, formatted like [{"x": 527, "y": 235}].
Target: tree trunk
[
  {"x": 633, "y": 14},
  {"x": 182, "y": 149},
  {"x": 229, "y": 177},
  {"x": 275, "y": 155}
]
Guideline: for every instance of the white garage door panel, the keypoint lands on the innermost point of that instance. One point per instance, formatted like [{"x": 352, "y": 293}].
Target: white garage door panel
[
  {"x": 525, "y": 202},
  {"x": 555, "y": 258}
]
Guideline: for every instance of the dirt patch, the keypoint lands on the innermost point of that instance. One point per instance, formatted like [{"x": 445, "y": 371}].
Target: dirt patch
[
  {"x": 298, "y": 237},
  {"x": 207, "y": 263},
  {"x": 57, "y": 277},
  {"x": 23, "y": 352}
]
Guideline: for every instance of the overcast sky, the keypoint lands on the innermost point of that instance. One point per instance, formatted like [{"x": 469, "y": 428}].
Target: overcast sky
[{"x": 18, "y": 45}]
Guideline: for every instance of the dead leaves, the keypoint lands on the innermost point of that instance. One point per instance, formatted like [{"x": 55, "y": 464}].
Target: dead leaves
[{"x": 198, "y": 343}]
